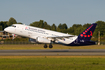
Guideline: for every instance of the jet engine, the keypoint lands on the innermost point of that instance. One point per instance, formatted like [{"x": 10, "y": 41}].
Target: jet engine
[{"x": 42, "y": 40}]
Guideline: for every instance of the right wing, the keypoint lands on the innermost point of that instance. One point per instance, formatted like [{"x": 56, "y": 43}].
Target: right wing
[{"x": 59, "y": 36}]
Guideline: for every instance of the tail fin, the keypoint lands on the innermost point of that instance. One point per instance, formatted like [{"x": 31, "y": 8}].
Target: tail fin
[{"x": 87, "y": 34}]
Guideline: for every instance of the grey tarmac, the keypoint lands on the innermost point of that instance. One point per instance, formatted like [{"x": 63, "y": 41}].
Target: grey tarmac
[{"x": 54, "y": 52}]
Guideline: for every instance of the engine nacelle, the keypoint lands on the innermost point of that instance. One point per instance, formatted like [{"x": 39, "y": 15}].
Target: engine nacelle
[
  {"x": 32, "y": 40},
  {"x": 42, "y": 40}
]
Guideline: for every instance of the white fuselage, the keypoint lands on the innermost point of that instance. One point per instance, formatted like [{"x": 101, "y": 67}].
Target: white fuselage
[{"x": 34, "y": 32}]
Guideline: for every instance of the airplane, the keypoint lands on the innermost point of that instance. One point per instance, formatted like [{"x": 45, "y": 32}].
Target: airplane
[{"x": 49, "y": 37}]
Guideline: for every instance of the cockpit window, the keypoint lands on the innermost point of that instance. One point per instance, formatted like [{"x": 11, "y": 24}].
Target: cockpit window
[{"x": 13, "y": 26}]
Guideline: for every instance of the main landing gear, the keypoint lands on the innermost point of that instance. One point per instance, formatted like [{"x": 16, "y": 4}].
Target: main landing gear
[{"x": 50, "y": 46}]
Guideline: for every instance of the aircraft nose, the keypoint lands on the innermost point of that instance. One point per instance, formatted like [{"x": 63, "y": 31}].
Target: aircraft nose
[{"x": 6, "y": 29}]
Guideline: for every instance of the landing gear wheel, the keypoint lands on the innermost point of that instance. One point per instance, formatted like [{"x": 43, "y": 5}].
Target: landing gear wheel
[
  {"x": 45, "y": 46},
  {"x": 50, "y": 46}
]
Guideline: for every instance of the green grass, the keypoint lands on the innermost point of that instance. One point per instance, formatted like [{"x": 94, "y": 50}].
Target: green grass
[
  {"x": 52, "y": 63},
  {"x": 40, "y": 46}
]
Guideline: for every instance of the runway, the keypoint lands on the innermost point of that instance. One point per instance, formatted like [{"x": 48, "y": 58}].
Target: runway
[{"x": 54, "y": 52}]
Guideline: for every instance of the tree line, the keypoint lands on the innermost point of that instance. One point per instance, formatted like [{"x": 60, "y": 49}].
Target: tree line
[{"x": 76, "y": 29}]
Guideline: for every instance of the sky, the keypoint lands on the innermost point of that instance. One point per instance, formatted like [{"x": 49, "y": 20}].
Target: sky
[{"x": 53, "y": 11}]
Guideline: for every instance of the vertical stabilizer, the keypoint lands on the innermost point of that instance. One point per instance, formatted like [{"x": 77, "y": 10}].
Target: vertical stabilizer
[{"x": 87, "y": 34}]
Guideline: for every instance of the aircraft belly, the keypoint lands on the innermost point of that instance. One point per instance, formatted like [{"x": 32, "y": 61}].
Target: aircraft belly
[{"x": 67, "y": 41}]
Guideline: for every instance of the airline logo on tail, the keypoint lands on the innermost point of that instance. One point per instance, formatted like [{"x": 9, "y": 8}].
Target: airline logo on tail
[
  {"x": 84, "y": 33},
  {"x": 87, "y": 34}
]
